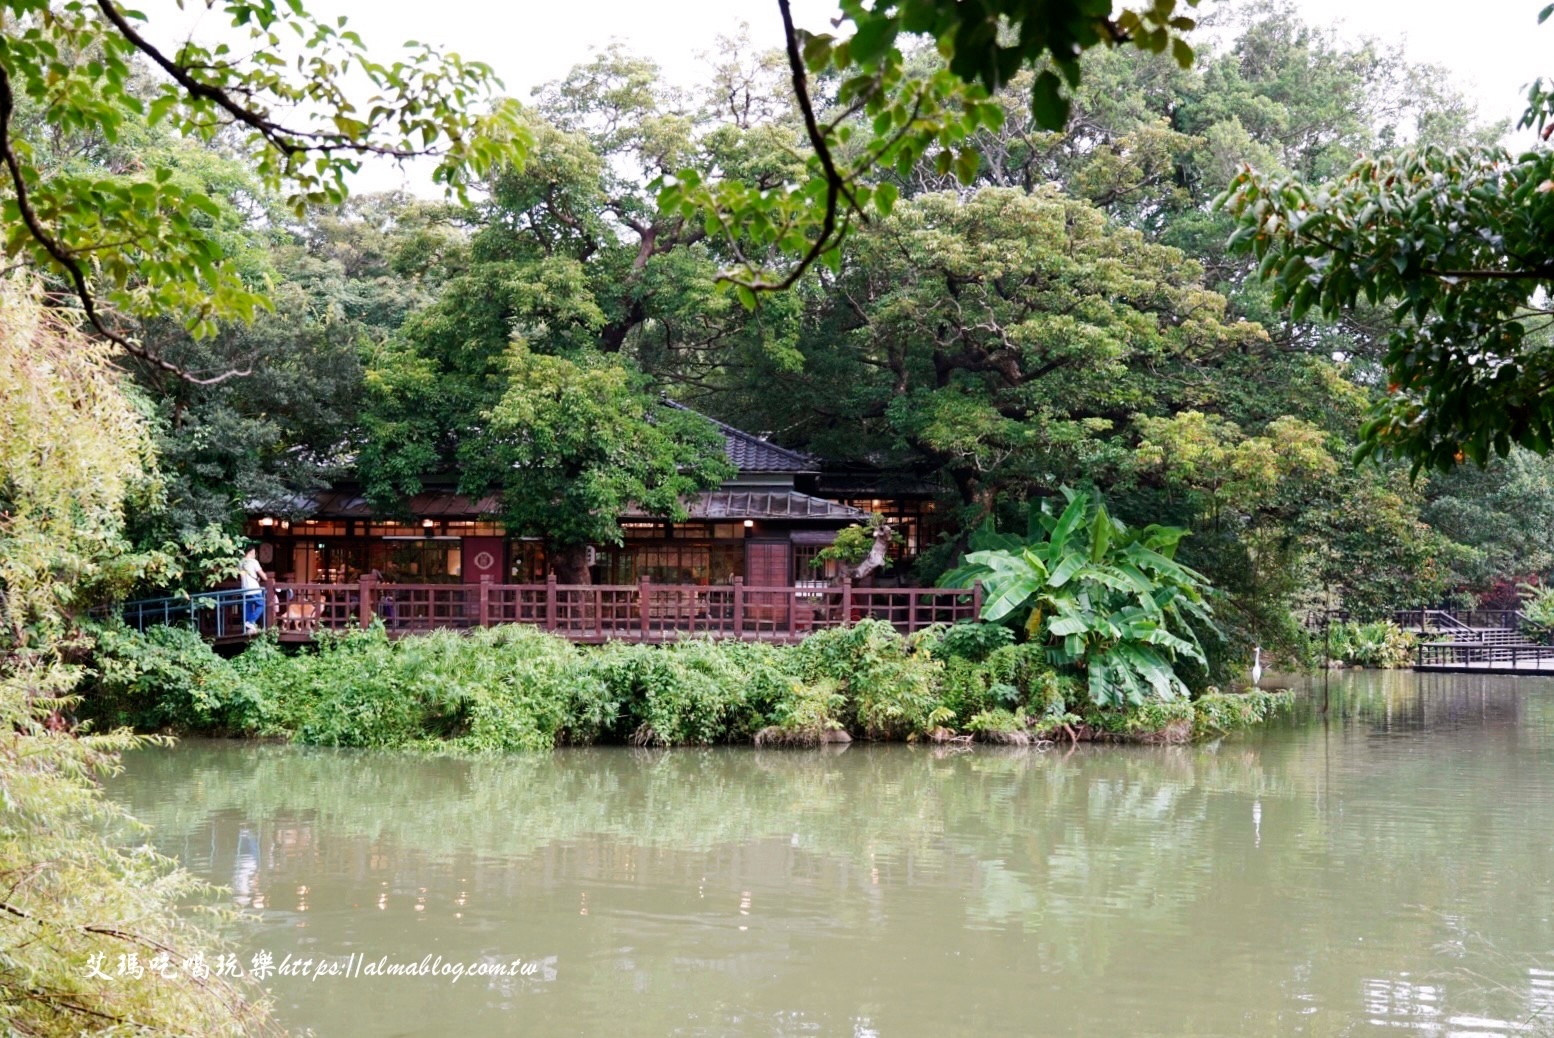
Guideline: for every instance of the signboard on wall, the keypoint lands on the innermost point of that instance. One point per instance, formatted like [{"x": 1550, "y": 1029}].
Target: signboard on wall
[{"x": 483, "y": 558}]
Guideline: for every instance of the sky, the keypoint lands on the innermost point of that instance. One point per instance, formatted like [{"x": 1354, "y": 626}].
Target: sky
[{"x": 1491, "y": 47}]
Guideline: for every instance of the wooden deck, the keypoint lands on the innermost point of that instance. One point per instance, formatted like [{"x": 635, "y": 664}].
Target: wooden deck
[{"x": 593, "y": 613}]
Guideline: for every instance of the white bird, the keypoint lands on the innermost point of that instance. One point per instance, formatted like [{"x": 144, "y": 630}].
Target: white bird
[{"x": 1257, "y": 665}]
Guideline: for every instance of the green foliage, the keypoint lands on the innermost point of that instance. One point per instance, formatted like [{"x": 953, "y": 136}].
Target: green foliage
[
  {"x": 1107, "y": 601},
  {"x": 1538, "y": 611},
  {"x": 1500, "y": 514},
  {"x": 573, "y": 443},
  {"x": 891, "y": 690},
  {"x": 1380, "y": 643},
  {"x": 79, "y": 882},
  {"x": 1368, "y": 543},
  {"x": 854, "y": 543},
  {"x": 82, "y": 884},
  {"x": 1455, "y": 240},
  {"x": 144, "y": 243},
  {"x": 167, "y": 678},
  {"x": 1217, "y": 713},
  {"x": 519, "y": 689},
  {"x": 805, "y": 714},
  {"x": 994, "y": 722},
  {"x": 690, "y": 694},
  {"x": 62, "y": 543},
  {"x": 968, "y": 641},
  {"x": 896, "y": 113}
]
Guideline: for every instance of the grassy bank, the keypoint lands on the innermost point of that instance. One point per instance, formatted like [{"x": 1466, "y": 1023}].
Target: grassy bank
[{"x": 519, "y": 688}]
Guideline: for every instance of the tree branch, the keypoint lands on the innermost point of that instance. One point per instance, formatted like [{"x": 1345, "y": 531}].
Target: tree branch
[{"x": 66, "y": 258}]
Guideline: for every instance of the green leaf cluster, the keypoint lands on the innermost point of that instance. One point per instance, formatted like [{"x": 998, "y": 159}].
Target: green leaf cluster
[{"x": 1107, "y": 601}]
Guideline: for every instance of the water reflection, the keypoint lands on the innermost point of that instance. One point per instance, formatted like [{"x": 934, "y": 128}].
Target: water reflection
[{"x": 1379, "y": 863}]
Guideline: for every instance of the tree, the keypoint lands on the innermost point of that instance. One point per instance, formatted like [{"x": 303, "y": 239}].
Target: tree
[
  {"x": 574, "y": 442},
  {"x": 341, "y": 283},
  {"x": 885, "y": 113},
  {"x": 135, "y": 245},
  {"x": 1458, "y": 241},
  {"x": 996, "y": 342},
  {"x": 74, "y": 450}
]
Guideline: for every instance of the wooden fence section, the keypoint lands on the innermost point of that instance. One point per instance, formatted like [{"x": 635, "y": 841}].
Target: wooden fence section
[{"x": 613, "y": 612}]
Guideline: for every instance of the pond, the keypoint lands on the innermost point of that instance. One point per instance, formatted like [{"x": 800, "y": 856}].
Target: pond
[{"x": 1382, "y": 865}]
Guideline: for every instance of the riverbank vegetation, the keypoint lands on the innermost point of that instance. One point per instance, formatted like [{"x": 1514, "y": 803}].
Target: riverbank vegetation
[
  {"x": 517, "y": 688},
  {"x": 77, "y": 886}
]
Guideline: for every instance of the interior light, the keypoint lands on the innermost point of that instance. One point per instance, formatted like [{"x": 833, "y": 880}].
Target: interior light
[
  {"x": 267, "y": 521},
  {"x": 749, "y": 523}
]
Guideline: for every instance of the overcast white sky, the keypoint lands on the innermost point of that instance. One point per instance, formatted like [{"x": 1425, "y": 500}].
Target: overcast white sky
[{"x": 1492, "y": 47}]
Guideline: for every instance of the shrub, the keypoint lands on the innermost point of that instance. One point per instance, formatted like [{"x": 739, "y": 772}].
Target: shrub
[
  {"x": 688, "y": 693},
  {"x": 805, "y": 715},
  {"x": 998, "y": 726},
  {"x": 1216, "y": 712},
  {"x": 967, "y": 641},
  {"x": 891, "y": 691},
  {"x": 167, "y": 678},
  {"x": 1380, "y": 644},
  {"x": 511, "y": 689}
]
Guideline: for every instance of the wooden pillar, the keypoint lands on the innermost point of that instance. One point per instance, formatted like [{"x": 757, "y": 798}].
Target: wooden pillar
[
  {"x": 550, "y": 600},
  {"x": 738, "y": 611},
  {"x": 364, "y": 601},
  {"x": 484, "y": 591},
  {"x": 912, "y": 596},
  {"x": 976, "y": 600},
  {"x": 847, "y": 601},
  {"x": 271, "y": 612},
  {"x": 643, "y": 591}
]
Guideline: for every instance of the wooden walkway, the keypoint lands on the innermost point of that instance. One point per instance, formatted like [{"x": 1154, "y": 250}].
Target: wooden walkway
[
  {"x": 584, "y": 613},
  {"x": 1484, "y": 658}
]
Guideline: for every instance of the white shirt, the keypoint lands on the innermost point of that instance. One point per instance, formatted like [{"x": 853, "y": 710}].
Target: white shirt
[{"x": 248, "y": 572}]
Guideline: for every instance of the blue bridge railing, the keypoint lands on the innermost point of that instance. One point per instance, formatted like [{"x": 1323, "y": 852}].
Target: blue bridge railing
[{"x": 231, "y": 613}]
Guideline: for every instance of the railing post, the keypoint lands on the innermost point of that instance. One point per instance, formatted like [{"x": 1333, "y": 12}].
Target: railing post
[
  {"x": 643, "y": 592},
  {"x": 271, "y": 604},
  {"x": 485, "y": 600},
  {"x": 976, "y": 600},
  {"x": 550, "y": 600},
  {"x": 364, "y": 601},
  {"x": 847, "y": 601},
  {"x": 912, "y": 594},
  {"x": 738, "y": 611}
]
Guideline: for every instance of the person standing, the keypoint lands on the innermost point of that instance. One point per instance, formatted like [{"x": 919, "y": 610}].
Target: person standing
[{"x": 251, "y": 574}]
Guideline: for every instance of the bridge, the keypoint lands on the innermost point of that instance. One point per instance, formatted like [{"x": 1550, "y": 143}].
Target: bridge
[
  {"x": 583, "y": 613},
  {"x": 1482, "y": 641}
]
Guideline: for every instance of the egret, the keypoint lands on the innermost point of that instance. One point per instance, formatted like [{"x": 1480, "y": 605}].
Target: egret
[{"x": 1257, "y": 666}]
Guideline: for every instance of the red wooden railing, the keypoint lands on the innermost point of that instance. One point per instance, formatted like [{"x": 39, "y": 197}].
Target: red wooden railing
[{"x": 613, "y": 612}]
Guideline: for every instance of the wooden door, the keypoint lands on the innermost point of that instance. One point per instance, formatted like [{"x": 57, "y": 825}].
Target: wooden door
[{"x": 767, "y": 563}]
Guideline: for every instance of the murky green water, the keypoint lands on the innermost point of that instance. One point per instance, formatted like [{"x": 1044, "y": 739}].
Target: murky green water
[{"x": 1385, "y": 867}]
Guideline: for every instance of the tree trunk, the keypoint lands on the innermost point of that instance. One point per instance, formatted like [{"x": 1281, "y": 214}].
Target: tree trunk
[
  {"x": 878, "y": 552},
  {"x": 571, "y": 564}
]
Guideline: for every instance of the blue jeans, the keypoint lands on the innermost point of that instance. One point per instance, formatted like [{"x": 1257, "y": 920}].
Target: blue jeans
[{"x": 253, "y": 605}]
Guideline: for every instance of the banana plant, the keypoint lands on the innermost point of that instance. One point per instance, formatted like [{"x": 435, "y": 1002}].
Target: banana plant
[{"x": 1109, "y": 602}]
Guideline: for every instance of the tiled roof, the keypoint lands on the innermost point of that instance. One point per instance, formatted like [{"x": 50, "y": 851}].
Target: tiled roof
[
  {"x": 750, "y": 453},
  {"x": 765, "y": 504}
]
